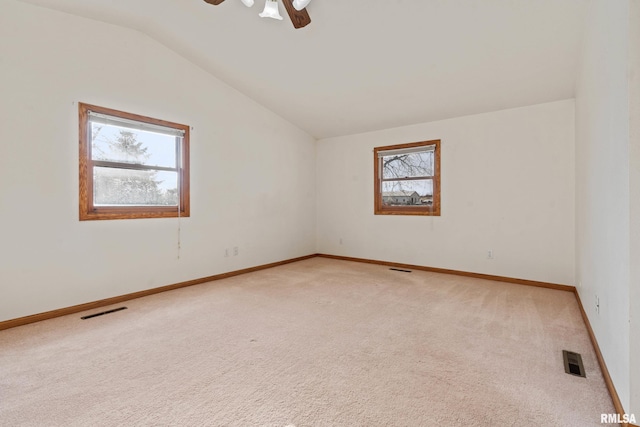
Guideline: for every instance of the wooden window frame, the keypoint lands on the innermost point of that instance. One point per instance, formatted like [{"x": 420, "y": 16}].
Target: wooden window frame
[
  {"x": 88, "y": 211},
  {"x": 380, "y": 208}
]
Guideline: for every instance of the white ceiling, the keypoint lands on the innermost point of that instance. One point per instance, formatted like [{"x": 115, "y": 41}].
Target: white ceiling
[{"x": 364, "y": 65}]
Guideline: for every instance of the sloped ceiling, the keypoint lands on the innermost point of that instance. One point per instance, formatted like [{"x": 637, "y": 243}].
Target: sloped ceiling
[{"x": 364, "y": 65}]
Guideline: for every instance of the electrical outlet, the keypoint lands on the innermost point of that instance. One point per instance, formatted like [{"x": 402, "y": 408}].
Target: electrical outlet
[
  {"x": 341, "y": 240},
  {"x": 226, "y": 252},
  {"x": 490, "y": 254},
  {"x": 235, "y": 251},
  {"x": 597, "y": 304}
]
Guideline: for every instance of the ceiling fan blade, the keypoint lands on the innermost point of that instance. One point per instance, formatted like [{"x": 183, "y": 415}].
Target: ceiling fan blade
[
  {"x": 214, "y": 2},
  {"x": 299, "y": 18}
]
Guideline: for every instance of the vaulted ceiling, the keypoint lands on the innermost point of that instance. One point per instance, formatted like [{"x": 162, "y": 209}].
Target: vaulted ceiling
[{"x": 364, "y": 65}]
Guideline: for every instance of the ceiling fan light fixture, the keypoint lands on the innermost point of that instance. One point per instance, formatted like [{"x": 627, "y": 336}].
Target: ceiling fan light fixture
[
  {"x": 271, "y": 10},
  {"x": 301, "y": 4},
  {"x": 299, "y": 18}
]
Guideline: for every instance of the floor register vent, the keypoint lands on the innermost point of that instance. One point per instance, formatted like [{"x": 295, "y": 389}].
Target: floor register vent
[
  {"x": 573, "y": 363},
  {"x": 399, "y": 269},
  {"x": 103, "y": 313}
]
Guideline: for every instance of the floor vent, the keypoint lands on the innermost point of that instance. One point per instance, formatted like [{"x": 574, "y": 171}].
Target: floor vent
[
  {"x": 573, "y": 363},
  {"x": 104, "y": 312},
  {"x": 399, "y": 269}
]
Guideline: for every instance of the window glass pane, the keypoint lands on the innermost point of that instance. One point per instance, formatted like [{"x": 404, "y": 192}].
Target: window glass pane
[
  {"x": 126, "y": 187},
  {"x": 408, "y": 165},
  {"x": 125, "y": 145},
  {"x": 408, "y": 193}
]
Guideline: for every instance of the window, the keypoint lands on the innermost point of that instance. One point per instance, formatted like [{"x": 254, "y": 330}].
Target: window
[
  {"x": 407, "y": 179},
  {"x": 132, "y": 166}
]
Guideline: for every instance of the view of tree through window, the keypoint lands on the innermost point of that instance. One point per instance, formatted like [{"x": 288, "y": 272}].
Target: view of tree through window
[
  {"x": 115, "y": 186},
  {"x": 397, "y": 189},
  {"x": 407, "y": 177},
  {"x": 132, "y": 166}
]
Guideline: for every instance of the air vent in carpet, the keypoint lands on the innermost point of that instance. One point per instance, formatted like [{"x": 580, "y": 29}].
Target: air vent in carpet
[
  {"x": 573, "y": 363},
  {"x": 102, "y": 313},
  {"x": 399, "y": 269}
]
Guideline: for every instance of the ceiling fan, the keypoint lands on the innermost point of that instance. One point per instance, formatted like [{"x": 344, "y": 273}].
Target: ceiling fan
[{"x": 295, "y": 8}]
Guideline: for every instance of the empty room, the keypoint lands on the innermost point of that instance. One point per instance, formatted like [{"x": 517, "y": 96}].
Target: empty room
[{"x": 298, "y": 213}]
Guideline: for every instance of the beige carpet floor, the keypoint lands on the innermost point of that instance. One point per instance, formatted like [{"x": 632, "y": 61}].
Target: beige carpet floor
[{"x": 314, "y": 343}]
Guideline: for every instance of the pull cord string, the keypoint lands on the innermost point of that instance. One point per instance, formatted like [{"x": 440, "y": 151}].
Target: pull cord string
[{"x": 180, "y": 171}]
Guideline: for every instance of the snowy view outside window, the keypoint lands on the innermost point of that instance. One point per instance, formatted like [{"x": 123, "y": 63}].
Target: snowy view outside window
[
  {"x": 407, "y": 178},
  {"x": 133, "y": 167}
]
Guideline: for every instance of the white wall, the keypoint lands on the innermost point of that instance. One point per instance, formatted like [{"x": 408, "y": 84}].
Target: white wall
[
  {"x": 507, "y": 186},
  {"x": 603, "y": 185},
  {"x": 634, "y": 198},
  {"x": 252, "y": 173}
]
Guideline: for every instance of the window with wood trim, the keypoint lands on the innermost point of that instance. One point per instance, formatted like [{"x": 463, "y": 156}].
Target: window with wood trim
[
  {"x": 132, "y": 166},
  {"x": 407, "y": 179}
]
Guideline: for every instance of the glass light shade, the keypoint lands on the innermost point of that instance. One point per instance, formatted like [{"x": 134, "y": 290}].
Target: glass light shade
[
  {"x": 271, "y": 10},
  {"x": 301, "y": 4},
  {"x": 247, "y": 3}
]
